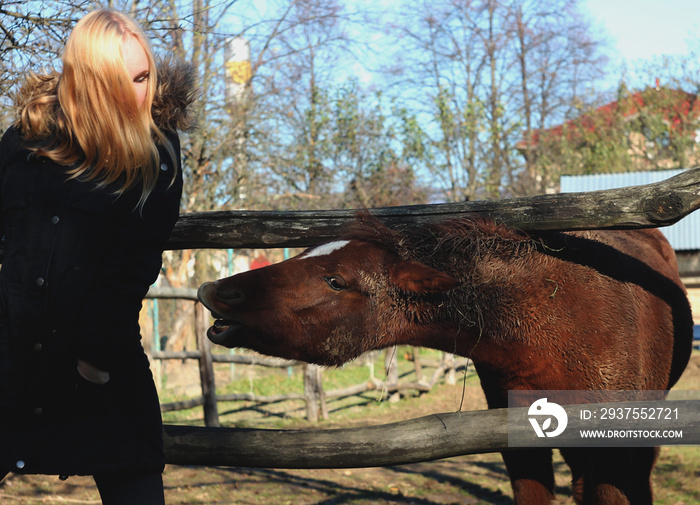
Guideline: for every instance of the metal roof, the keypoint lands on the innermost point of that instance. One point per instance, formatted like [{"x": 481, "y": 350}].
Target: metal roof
[{"x": 683, "y": 236}]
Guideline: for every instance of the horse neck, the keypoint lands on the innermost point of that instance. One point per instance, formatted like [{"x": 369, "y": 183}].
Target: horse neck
[{"x": 468, "y": 321}]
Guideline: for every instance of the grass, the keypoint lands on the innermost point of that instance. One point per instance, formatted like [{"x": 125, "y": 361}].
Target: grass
[
  {"x": 263, "y": 382},
  {"x": 676, "y": 477}
]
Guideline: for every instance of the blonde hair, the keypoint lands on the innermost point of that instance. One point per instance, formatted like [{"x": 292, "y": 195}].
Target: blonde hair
[{"x": 88, "y": 117}]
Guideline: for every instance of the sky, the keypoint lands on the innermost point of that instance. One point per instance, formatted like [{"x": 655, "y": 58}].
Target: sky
[
  {"x": 638, "y": 30},
  {"x": 642, "y": 29}
]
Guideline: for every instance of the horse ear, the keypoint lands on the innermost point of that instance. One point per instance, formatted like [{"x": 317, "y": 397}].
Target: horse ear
[{"x": 419, "y": 278}]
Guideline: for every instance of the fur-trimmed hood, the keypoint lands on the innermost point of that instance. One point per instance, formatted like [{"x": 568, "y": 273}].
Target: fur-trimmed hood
[{"x": 172, "y": 105}]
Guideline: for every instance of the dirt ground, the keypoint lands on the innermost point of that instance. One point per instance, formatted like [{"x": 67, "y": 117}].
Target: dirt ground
[{"x": 475, "y": 479}]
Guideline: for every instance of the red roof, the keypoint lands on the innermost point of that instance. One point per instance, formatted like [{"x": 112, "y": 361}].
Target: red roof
[{"x": 677, "y": 107}]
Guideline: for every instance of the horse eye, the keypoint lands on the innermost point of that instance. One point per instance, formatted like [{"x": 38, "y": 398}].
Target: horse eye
[{"x": 336, "y": 283}]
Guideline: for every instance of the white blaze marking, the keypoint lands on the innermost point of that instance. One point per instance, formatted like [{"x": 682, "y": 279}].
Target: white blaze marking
[{"x": 325, "y": 249}]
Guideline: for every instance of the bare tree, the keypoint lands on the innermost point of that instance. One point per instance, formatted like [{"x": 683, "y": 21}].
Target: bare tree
[
  {"x": 486, "y": 70},
  {"x": 31, "y": 36},
  {"x": 559, "y": 60},
  {"x": 445, "y": 61},
  {"x": 291, "y": 85}
]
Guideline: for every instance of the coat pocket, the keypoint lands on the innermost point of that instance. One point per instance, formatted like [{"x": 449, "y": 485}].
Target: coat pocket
[{"x": 89, "y": 399}]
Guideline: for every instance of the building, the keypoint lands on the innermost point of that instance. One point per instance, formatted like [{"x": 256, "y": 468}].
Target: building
[{"x": 653, "y": 129}]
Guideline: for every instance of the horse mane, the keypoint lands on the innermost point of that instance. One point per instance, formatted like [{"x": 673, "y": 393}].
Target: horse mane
[
  {"x": 438, "y": 243},
  {"x": 454, "y": 246}
]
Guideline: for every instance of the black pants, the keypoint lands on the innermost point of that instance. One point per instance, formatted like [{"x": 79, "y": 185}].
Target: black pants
[{"x": 131, "y": 489}]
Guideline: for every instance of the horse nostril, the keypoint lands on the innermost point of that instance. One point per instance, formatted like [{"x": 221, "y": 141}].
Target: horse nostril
[
  {"x": 230, "y": 296},
  {"x": 204, "y": 293}
]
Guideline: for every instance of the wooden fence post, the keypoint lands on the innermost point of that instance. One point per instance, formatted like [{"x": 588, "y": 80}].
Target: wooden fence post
[
  {"x": 314, "y": 394},
  {"x": 310, "y": 393},
  {"x": 206, "y": 367},
  {"x": 417, "y": 364},
  {"x": 448, "y": 359},
  {"x": 321, "y": 393},
  {"x": 391, "y": 368}
]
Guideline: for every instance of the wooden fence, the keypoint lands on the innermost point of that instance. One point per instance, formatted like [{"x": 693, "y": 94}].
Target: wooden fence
[
  {"x": 432, "y": 437},
  {"x": 659, "y": 204},
  {"x": 426, "y": 438}
]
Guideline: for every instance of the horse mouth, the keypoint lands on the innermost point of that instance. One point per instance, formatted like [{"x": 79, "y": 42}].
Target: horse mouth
[{"x": 223, "y": 331}]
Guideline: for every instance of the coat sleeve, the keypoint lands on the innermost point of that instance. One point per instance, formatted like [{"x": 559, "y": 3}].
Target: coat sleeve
[
  {"x": 6, "y": 153},
  {"x": 108, "y": 332},
  {"x": 11, "y": 149}
]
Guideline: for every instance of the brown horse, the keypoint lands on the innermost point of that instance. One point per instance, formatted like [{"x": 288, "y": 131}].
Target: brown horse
[{"x": 590, "y": 310}]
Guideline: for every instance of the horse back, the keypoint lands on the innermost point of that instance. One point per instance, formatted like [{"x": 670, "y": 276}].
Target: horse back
[{"x": 646, "y": 261}]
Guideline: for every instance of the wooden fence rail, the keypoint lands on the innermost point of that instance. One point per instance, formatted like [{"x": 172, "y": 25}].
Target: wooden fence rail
[
  {"x": 652, "y": 205},
  {"x": 432, "y": 437},
  {"x": 426, "y": 438},
  {"x": 423, "y": 439}
]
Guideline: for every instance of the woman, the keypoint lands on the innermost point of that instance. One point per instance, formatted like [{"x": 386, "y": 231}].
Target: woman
[{"x": 90, "y": 185}]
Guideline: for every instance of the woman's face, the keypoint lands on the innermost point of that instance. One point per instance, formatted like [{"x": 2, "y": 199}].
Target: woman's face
[{"x": 136, "y": 62}]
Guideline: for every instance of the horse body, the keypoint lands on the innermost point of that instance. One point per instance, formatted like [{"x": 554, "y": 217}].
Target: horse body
[{"x": 558, "y": 311}]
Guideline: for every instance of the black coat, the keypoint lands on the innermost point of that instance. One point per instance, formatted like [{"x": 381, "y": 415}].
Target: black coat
[{"x": 78, "y": 261}]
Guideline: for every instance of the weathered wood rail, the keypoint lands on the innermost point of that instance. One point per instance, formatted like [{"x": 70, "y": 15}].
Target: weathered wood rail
[
  {"x": 426, "y": 438},
  {"x": 432, "y": 437},
  {"x": 652, "y": 205},
  {"x": 423, "y": 439}
]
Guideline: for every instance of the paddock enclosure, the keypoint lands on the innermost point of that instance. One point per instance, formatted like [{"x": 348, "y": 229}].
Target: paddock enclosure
[{"x": 431, "y": 437}]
